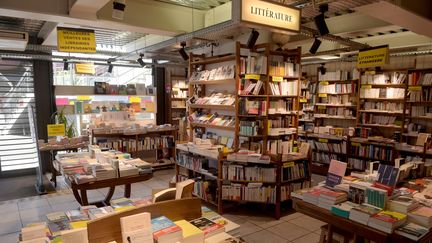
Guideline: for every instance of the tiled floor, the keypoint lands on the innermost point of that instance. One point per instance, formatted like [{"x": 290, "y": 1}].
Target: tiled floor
[{"x": 294, "y": 227}]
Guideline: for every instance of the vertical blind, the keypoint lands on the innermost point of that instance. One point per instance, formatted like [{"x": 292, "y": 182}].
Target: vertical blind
[{"x": 17, "y": 149}]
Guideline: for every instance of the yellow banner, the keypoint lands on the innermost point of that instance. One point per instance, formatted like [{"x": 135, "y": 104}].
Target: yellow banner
[
  {"x": 85, "y": 68},
  {"x": 277, "y": 79},
  {"x": 56, "y": 130},
  {"x": 253, "y": 76},
  {"x": 322, "y": 95},
  {"x": 76, "y": 40},
  {"x": 373, "y": 57},
  {"x": 324, "y": 83}
]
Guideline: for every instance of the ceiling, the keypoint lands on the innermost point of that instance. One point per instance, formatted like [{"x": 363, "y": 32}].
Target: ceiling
[{"x": 196, "y": 4}]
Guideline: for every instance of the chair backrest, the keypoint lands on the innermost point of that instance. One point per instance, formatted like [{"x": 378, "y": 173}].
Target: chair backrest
[
  {"x": 184, "y": 189},
  {"x": 164, "y": 195}
]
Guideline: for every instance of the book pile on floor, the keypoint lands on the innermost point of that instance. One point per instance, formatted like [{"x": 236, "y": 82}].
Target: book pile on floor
[
  {"x": 372, "y": 199},
  {"x": 71, "y": 226}
]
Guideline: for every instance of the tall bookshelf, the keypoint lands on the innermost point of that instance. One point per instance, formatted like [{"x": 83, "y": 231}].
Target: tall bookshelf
[{"x": 177, "y": 104}]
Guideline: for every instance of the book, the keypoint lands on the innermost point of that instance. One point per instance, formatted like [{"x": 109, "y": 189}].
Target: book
[
  {"x": 56, "y": 216},
  {"x": 137, "y": 228},
  {"x": 76, "y": 215},
  {"x": 37, "y": 240},
  {"x": 191, "y": 234},
  {"x": 33, "y": 232},
  {"x": 223, "y": 237},
  {"x": 422, "y": 216},
  {"x": 74, "y": 236},
  {"x": 362, "y": 213},
  {"x": 412, "y": 231},
  {"x": 335, "y": 173},
  {"x": 376, "y": 196},
  {"x": 131, "y": 89},
  {"x": 207, "y": 226},
  {"x": 387, "y": 221},
  {"x": 100, "y": 87},
  {"x": 57, "y": 226},
  {"x": 164, "y": 230},
  {"x": 388, "y": 175},
  {"x": 402, "y": 204},
  {"x": 180, "y": 188},
  {"x": 343, "y": 209},
  {"x": 96, "y": 213}
]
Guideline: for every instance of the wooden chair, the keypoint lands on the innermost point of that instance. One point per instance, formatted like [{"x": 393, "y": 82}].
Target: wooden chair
[{"x": 183, "y": 189}]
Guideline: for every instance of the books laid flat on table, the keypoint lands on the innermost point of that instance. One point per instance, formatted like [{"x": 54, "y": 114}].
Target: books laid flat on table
[
  {"x": 191, "y": 234},
  {"x": 329, "y": 198},
  {"x": 422, "y": 216},
  {"x": 218, "y": 219},
  {"x": 222, "y": 238},
  {"x": 412, "y": 231},
  {"x": 164, "y": 230},
  {"x": 96, "y": 213},
  {"x": 209, "y": 227},
  {"x": 362, "y": 213},
  {"x": 33, "y": 232},
  {"x": 122, "y": 204},
  {"x": 343, "y": 209},
  {"x": 402, "y": 204},
  {"x": 387, "y": 221},
  {"x": 76, "y": 215}
]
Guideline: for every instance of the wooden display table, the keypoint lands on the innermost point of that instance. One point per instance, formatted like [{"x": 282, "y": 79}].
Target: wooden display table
[
  {"x": 358, "y": 230},
  {"x": 82, "y": 198}
]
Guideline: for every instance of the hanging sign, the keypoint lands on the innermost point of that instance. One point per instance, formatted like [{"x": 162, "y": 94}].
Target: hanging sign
[
  {"x": 373, "y": 57},
  {"x": 270, "y": 14},
  {"x": 76, "y": 40},
  {"x": 85, "y": 68},
  {"x": 56, "y": 130}
]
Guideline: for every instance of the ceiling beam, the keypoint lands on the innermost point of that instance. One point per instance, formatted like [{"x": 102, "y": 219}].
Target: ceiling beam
[{"x": 86, "y": 9}]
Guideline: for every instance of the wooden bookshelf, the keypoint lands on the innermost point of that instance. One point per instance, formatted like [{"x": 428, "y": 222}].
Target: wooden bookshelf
[
  {"x": 219, "y": 81},
  {"x": 212, "y": 126},
  {"x": 213, "y": 107}
]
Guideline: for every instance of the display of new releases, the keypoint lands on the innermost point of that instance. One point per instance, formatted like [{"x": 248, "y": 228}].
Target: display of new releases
[{"x": 223, "y": 72}]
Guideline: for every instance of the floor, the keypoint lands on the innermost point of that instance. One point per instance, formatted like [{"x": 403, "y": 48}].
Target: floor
[
  {"x": 293, "y": 227},
  {"x": 17, "y": 187}
]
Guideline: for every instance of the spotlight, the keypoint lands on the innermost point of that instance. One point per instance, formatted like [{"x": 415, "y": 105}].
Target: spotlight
[
  {"x": 316, "y": 44},
  {"x": 182, "y": 51},
  {"x": 65, "y": 64},
  {"x": 322, "y": 69},
  {"x": 110, "y": 67},
  {"x": 118, "y": 9},
  {"x": 141, "y": 61},
  {"x": 279, "y": 47},
  {"x": 253, "y": 37},
  {"x": 320, "y": 20}
]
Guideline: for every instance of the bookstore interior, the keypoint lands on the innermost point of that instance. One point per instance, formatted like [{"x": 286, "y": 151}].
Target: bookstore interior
[{"x": 202, "y": 121}]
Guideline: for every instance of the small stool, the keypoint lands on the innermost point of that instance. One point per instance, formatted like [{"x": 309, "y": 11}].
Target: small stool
[{"x": 346, "y": 236}]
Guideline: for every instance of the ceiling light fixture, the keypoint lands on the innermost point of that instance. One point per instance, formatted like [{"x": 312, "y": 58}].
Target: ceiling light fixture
[
  {"x": 322, "y": 69},
  {"x": 320, "y": 20},
  {"x": 65, "y": 65},
  {"x": 314, "y": 48},
  {"x": 110, "y": 67},
  {"x": 141, "y": 61},
  {"x": 118, "y": 9},
  {"x": 253, "y": 37},
  {"x": 182, "y": 51}
]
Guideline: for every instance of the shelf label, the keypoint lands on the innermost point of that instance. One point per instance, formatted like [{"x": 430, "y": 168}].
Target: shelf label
[
  {"x": 320, "y": 107},
  {"x": 322, "y": 95},
  {"x": 56, "y": 130},
  {"x": 323, "y": 140},
  {"x": 82, "y": 97},
  {"x": 277, "y": 79},
  {"x": 289, "y": 164},
  {"x": 134, "y": 99},
  {"x": 253, "y": 76},
  {"x": 303, "y": 100},
  {"x": 366, "y": 86},
  {"x": 415, "y": 88},
  {"x": 398, "y": 123},
  {"x": 369, "y": 72},
  {"x": 373, "y": 57},
  {"x": 324, "y": 83},
  {"x": 355, "y": 144}
]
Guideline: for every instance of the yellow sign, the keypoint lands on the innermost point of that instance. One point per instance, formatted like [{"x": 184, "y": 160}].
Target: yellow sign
[
  {"x": 373, "y": 57},
  {"x": 322, "y": 95},
  {"x": 366, "y": 86},
  {"x": 289, "y": 164},
  {"x": 85, "y": 68},
  {"x": 134, "y": 99},
  {"x": 324, "y": 83},
  {"x": 355, "y": 144},
  {"x": 369, "y": 72},
  {"x": 277, "y": 79},
  {"x": 270, "y": 14},
  {"x": 253, "y": 76},
  {"x": 83, "y": 98},
  {"x": 76, "y": 40},
  {"x": 303, "y": 100},
  {"x": 56, "y": 130},
  {"x": 323, "y": 140},
  {"x": 414, "y": 88},
  {"x": 321, "y": 107}
]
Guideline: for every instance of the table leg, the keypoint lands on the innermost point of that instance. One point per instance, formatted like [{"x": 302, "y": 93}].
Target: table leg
[
  {"x": 127, "y": 191},
  {"x": 330, "y": 234},
  {"x": 84, "y": 198},
  {"x": 77, "y": 196},
  {"x": 356, "y": 238},
  {"x": 109, "y": 195}
]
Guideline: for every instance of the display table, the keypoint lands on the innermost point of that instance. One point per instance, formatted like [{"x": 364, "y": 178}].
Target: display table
[
  {"x": 80, "y": 190},
  {"x": 358, "y": 230}
]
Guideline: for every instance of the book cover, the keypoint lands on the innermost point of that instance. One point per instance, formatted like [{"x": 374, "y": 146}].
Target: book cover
[
  {"x": 131, "y": 89},
  {"x": 207, "y": 226},
  {"x": 335, "y": 173},
  {"x": 122, "y": 90},
  {"x": 190, "y": 232},
  {"x": 137, "y": 228},
  {"x": 57, "y": 226},
  {"x": 76, "y": 215},
  {"x": 388, "y": 175},
  {"x": 163, "y": 226},
  {"x": 389, "y": 217},
  {"x": 56, "y": 216},
  {"x": 100, "y": 87},
  {"x": 412, "y": 231}
]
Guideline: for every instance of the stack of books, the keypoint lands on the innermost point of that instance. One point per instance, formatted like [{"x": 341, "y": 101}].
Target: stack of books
[
  {"x": 329, "y": 198},
  {"x": 402, "y": 204},
  {"x": 422, "y": 216},
  {"x": 362, "y": 213},
  {"x": 412, "y": 231},
  {"x": 165, "y": 231},
  {"x": 104, "y": 172},
  {"x": 342, "y": 209},
  {"x": 387, "y": 221}
]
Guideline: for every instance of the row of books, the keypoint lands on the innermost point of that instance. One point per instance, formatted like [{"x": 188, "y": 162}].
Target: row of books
[
  {"x": 179, "y": 93},
  {"x": 132, "y": 145},
  {"x": 250, "y": 128},
  {"x": 423, "y": 95},
  {"x": 356, "y": 164},
  {"x": 284, "y": 88},
  {"x": 337, "y": 100},
  {"x": 206, "y": 189},
  {"x": 281, "y": 122},
  {"x": 284, "y": 69},
  {"x": 372, "y": 152},
  {"x": 337, "y": 88},
  {"x": 386, "y": 78},
  {"x": 212, "y": 119},
  {"x": 129, "y": 89},
  {"x": 196, "y": 163},
  {"x": 110, "y": 110},
  {"x": 280, "y": 146},
  {"x": 216, "y": 99},
  {"x": 252, "y": 107},
  {"x": 253, "y": 192},
  {"x": 417, "y": 78},
  {"x": 383, "y": 106},
  {"x": 294, "y": 171},
  {"x": 223, "y": 72},
  {"x": 339, "y": 75},
  {"x": 387, "y": 93},
  {"x": 339, "y": 147},
  {"x": 253, "y": 64},
  {"x": 331, "y": 130},
  {"x": 323, "y": 157},
  {"x": 281, "y": 107},
  {"x": 251, "y": 88},
  {"x": 237, "y": 172},
  {"x": 335, "y": 111},
  {"x": 367, "y": 118},
  {"x": 421, "y": 111}
]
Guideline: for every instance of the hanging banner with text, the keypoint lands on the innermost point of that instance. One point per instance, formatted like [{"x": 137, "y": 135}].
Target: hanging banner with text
[
  {"x": 76, "y": 40},
  {"x": 373, "y": 57},
  {"x": 269, "y": 14},
  {"x": 56, "y": 130},
  {"x": 85, "y": 68}
]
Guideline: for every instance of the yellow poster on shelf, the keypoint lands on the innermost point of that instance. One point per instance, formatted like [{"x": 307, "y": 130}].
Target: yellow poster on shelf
[
  {"x": 82, "y": 97},
  {"x": 324, "y": 83},
  {"x": 134, "y": 99},
  {"x": 323, "y": 140},
  {"x": 150, "y": 107},
  {"x": 76, "y": 40},
  {"x": 277, "y": 79},
  {"x": 56, "y": 130},
  {"x": 373, "y": 57},
  {"x": 322, "y": 95},
  {"x": 85, "y": 68},
  {"x": 253, "y": 76},
  {"x": 303, "y": 100}
]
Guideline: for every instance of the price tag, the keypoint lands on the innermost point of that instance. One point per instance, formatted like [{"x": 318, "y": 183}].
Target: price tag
[
  {"x": 83, "y": 98},
  {"x": 415, "y": 88},
  {"x": 303, "y": 100},
  {"x": 277, "y": 79},
  {"x": 324, "y": 83},
  {"x": 370, "y": 72},
  {"x": 320, "y": 107},
  {"x": 323, "y": 140},
  {"x": 289, "y": 164},
  {"x": 366, "y": 86},
  {"x": 253, "y": 76},
  {"x": 355, "y": 144},
  {"x": 398, "y": 123},
  {"x": 322, "y": 95}
]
